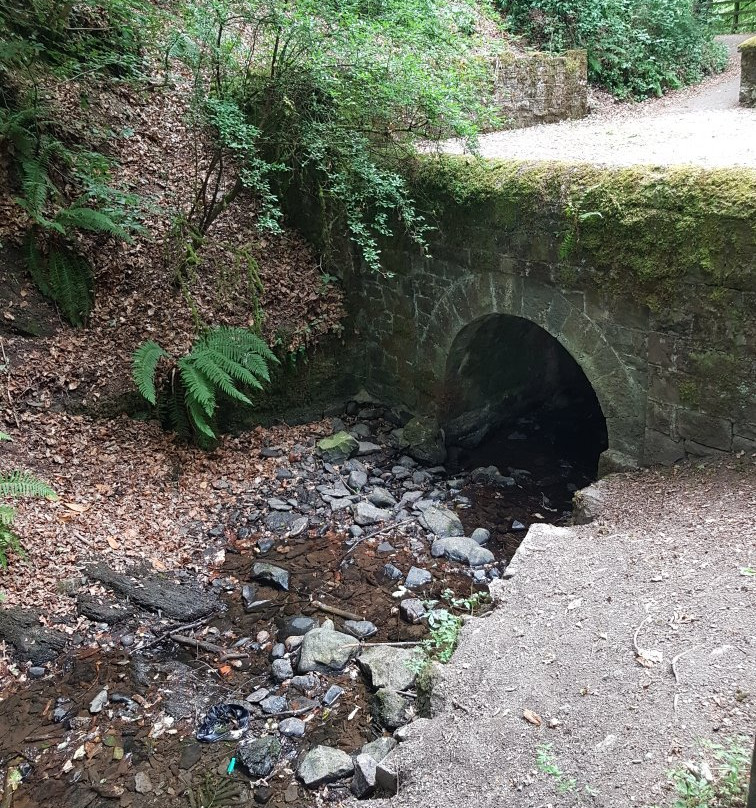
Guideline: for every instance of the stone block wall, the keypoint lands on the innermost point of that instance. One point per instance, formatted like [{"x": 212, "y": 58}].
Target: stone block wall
[
  {"x": 541, "y": 87},
  {"x": 748, "y": 72}
]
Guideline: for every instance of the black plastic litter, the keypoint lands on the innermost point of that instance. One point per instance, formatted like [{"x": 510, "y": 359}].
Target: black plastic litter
[{"x": 224, "y": 722}]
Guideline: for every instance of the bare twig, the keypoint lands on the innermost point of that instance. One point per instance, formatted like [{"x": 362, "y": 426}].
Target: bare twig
[
  {"x": 637, "y": 632},
  {"x": 676, "y": 659},
  {"x": 376, "y": 533},
  {"x": 168, "y": 632},
  {"x": 323, "y": 607},
  {"x": 194, "y": 642}
]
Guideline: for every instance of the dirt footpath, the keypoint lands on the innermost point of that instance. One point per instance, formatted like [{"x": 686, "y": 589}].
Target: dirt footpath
[
  {"x": 699, "y": 125},
  {"x": 627, "y": 640}
]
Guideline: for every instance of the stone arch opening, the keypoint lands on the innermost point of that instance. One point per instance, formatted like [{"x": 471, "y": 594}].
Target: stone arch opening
[{"x": 514, "y": 397}]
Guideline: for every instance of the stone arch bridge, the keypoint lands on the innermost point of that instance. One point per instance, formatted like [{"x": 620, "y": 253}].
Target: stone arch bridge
[{"x": 646, "y": 278}]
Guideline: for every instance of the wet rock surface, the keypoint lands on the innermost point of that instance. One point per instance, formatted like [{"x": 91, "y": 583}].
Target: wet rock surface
[{"x": 159, "y": 593}]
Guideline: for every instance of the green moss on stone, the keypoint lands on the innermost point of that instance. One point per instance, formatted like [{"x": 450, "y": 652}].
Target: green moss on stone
[
  {"x": 748, "y": 45},
  {"x": 637, "y": 231}
]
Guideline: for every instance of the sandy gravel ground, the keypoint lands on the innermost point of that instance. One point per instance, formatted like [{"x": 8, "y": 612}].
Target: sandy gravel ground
[
  {"x": 630, "y": 639},
  {"x": 699, "y": 125}
]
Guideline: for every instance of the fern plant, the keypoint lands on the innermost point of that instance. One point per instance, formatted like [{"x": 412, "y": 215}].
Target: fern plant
[
  {"x": 224, "y": 361},
  {"x": 17, "y": 484},
  {"x": 54, "y": 261}
]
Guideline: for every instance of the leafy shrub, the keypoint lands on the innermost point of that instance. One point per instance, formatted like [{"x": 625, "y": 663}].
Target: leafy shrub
[
  {"x": 338, "y": 93},
  {"x": 223, "y": 362},
  {"x": 63, "y": 188},
  {"x": 636, "y": 48},
  {"x": 17, "y": 484}
]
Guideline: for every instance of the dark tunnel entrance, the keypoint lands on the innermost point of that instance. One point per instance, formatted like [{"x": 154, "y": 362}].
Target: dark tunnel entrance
[{"x": 516, "y": 399}]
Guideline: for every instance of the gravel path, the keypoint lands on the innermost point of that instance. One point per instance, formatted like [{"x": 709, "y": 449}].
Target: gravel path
[
  {"x": 699, "y": 125},
  {"x": 662, "y": 576}
]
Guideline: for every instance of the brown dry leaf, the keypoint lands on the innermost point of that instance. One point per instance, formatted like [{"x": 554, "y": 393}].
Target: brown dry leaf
[
  {"x": 114, "y": 545},
  {"x": 532, "y": 718},
  {"x": 224, "y": 670},
  {"x": 158, "y": 564},
  {"x": 76, "y": 507}
]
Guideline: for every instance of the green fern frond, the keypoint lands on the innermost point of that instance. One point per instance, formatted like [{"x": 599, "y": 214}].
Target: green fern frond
[
  {"x": 23, "y": 484},
  {"x": 4, "y": 436},
  {"x": 35, "y": 182},
  {"x": 143, "y": 365},
  {"x": 207, "y": 362},
  {"x": 174, "y": 416},
  {"x": 70, "y": 281},
  {"x": 199, "y": 389},
  {"x": 199, "y": 418},
  {"x": 222, "y": 361},
  {"x": 76, "y": 217},
  {"x": 7, "y": 515},
  {"x": 239, "y": 373},
  {"x": 37, "y": 265}
]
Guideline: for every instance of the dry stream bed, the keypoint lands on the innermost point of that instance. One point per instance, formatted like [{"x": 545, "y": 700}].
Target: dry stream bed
[{"x": 322, "y": 583}]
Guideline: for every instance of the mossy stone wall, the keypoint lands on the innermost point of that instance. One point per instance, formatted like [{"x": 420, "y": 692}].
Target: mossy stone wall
[
  {"x": 535, "y": 88},
  {"x": 647, "y": 277},
  {"x": 748, "y": 72}
]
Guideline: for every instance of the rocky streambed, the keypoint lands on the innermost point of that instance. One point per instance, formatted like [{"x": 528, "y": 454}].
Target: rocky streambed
[{"x": 282, "y": 669}]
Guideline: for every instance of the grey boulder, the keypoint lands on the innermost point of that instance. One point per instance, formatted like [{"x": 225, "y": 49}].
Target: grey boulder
[
  {"x": 462, "y": 548},
  {"x": 325, "y": 648},
  {"x": 271, "y": 574},
  {"x": 363, "y": 782},
  {"x": 365, "y": 513},
  {"x": 379, "y": 748},
  {"x": 385, "y": 666},
  {"x": 324, "y": 764},
  {"x": 260, "y": 755},
  {"x": 442, "y": 522},
  {"x": 391, "y": 709},
  {"x": 338, "y": 448}
]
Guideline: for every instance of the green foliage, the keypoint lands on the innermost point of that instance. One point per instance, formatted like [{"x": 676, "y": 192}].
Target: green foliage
[
  {"x": 546, "y": 763},
  {"x": 444, "y": 635},
  {"x": 635, "y": 48},
  {"x": 63, "y": 188},
  {"x": 215, "y": 792},
  {"x": 13, "y": 485},
  {"x": 223, "y": 362},
  {"x": 333, "y": 93},
  {"x": 719, "y": 780}
]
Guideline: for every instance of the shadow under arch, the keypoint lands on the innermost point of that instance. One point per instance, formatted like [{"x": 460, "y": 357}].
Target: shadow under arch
[{"x": 503, "y": 372}]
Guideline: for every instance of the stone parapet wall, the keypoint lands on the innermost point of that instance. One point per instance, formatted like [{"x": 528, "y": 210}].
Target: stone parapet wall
[
  {"x": 541, "y": 87},
  {"x": 748, "y": 72}
]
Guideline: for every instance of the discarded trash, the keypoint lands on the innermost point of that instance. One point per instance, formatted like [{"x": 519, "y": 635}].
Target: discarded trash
[
  {"x": 224, "y": 722},
  {"x": 231, "y": 765}
]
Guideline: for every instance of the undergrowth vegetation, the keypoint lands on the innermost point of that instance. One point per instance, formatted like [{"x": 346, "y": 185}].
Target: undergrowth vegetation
[
  {"x": 222, "y": 363},
  {"x": 62, "y": 181},
  {"x": 12, "y": 486},
  {"x": 635, "y": 49}
]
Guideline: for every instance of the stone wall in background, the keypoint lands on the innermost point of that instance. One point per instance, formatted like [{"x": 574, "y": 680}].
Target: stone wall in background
[
  {"x": 748, "y": 72},
  {"x": 541, "y": 87}
]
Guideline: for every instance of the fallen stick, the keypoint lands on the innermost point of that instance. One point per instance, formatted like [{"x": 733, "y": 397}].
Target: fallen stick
[
  {"x": 323, "y": 607},
  {"x": 378, "y": 644},
  {"x": 168, "y": 632},
  {"x": 224, "y": 655},
  {"x": 635, "y": 635}
]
